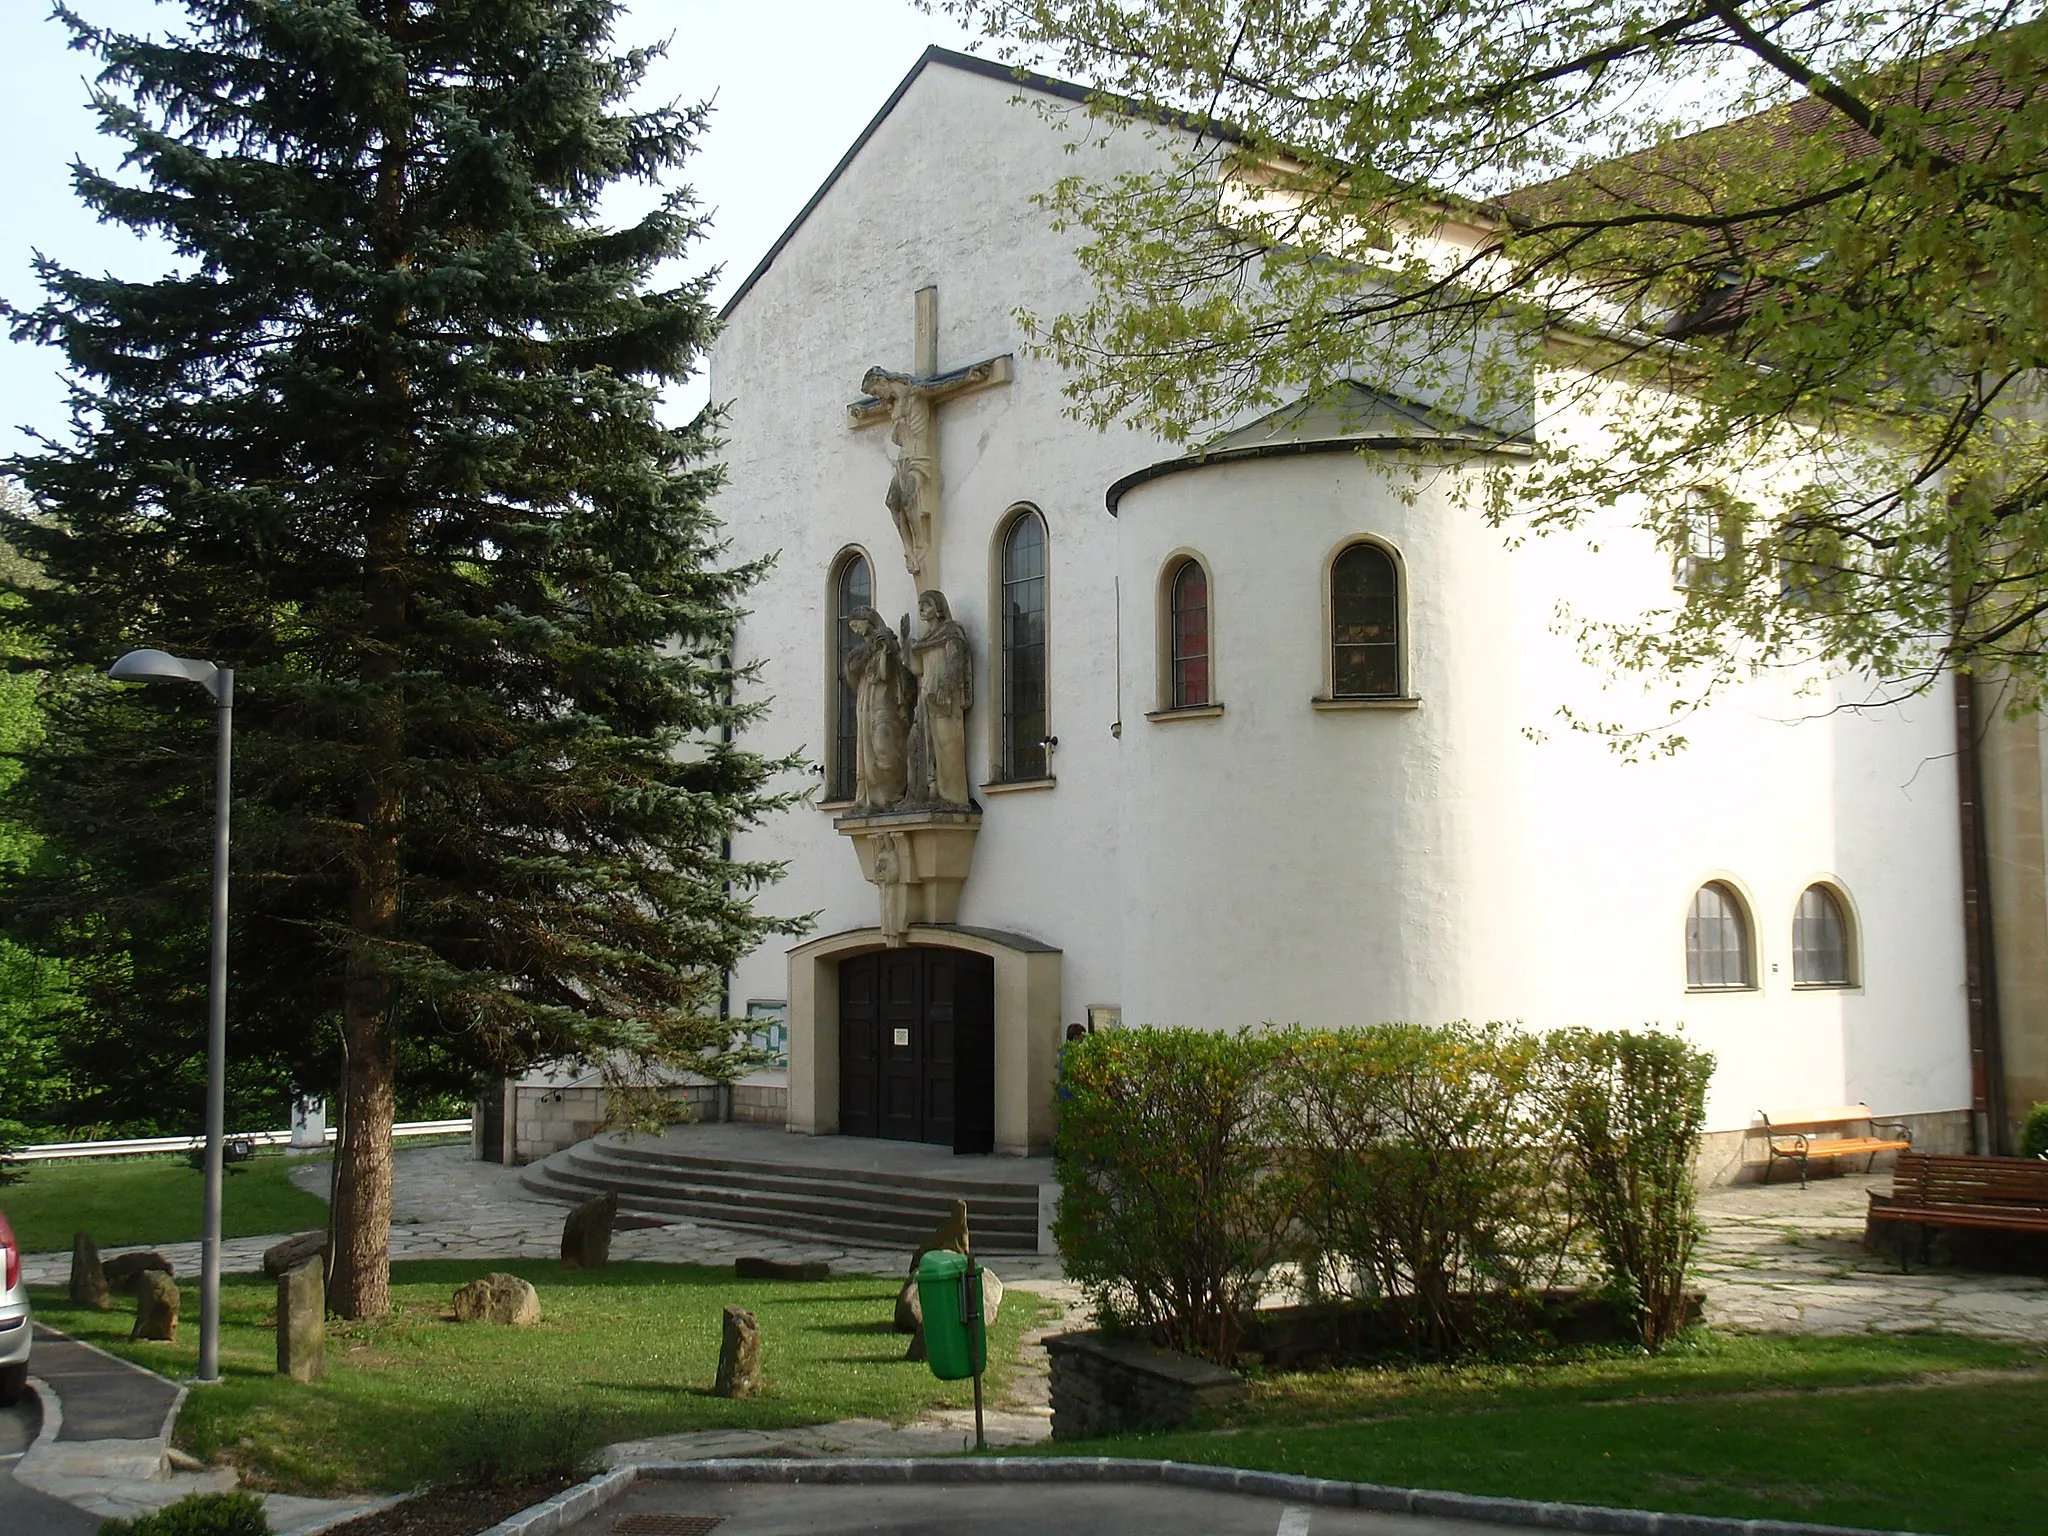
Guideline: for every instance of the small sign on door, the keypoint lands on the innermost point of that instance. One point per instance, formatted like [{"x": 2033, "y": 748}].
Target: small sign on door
[{"x": 902, "y": 1036}]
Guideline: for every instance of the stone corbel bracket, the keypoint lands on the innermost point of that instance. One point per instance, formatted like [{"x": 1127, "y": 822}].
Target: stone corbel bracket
[{"x": 917, "y": 859}]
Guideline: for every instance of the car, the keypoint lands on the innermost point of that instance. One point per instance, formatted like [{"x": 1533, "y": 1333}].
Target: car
[{"x": 17, "y": 1324}]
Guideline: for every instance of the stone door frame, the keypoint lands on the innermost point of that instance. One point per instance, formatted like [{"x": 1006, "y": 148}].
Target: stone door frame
[{"x": 1027, "y": 1028}]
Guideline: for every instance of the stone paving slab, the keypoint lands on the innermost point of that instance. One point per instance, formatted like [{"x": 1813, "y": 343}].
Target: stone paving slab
[
  {"x": 1781, "y": 1259},
  {"x": 448, "y": 1205}
]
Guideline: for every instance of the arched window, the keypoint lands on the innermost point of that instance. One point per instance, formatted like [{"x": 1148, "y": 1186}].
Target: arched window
[
  {"x": 1709, "y": 539},
  {"x": 1365, "y": 617},
  {"x": 1820, "y": 940},
  {"x": 1187, "y": 636},
  {"x": 1716, "y": 939},
  {"x": 853, "y": 586},
  {"x": 1022, "y": 748}
]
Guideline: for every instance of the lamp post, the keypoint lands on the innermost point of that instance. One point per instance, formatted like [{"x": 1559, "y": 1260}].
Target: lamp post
[{"x": 152, "y": 666}]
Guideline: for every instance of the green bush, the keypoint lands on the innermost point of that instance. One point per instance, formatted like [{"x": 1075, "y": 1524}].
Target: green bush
[
  {"x": 1632, "y": 1106},
  {"x": 199, "y": 1514},
  {"x": 2034, "y": 1132},
  {"x": 1425, "y": 1169},
  {"x": 516, "y": 1444},
  {"x": 1452, "y": 1172},
  {"x": 1170, "y": 1214}
]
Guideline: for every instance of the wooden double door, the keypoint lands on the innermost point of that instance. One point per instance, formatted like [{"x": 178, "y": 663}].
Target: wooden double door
[{"x": 917, "y": 1047}]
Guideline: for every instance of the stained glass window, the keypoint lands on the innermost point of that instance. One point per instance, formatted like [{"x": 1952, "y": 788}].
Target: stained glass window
[
  {"x": 1190, "y": 635},
  {"x": 1024, "y": 732},
  {"x": 853, "y": 588},
  {"x": 1365, "y": 641}
]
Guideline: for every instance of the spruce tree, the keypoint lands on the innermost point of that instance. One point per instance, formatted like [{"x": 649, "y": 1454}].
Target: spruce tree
[{"x": 386, "y": 442}]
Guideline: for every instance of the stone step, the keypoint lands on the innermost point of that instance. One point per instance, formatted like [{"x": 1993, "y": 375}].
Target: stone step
[
  {"x": 610, "y": 1145},
  {"x": 929, "y": 1205},
  {"x": 788, "y": 1227},
  {"x": 819, "y": 1202},
  {"x": 820, "y": 1207}
]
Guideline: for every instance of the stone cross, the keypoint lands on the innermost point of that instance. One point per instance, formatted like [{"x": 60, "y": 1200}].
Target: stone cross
[{"x": 909, "y": 402}]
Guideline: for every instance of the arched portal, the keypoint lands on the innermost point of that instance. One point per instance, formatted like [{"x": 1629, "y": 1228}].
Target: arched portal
[
  {"x": 952, "y": 1038},
  {"x": 917, "y": 1047}
]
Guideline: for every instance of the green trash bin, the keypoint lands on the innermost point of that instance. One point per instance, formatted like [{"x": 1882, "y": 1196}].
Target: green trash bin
[{"x": 955, "y": 1337}]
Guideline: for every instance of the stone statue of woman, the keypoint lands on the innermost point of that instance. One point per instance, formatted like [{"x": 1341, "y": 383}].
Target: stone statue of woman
[
  {"x": 944, "y": 664},
  {"x": 882, "y": 692}
]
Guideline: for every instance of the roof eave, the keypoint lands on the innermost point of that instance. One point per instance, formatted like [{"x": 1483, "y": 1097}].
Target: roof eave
[{"x": 1445, "y": 443}]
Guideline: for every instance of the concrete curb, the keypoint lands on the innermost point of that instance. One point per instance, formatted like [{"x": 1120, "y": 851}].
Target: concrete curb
[
  {"x": 570, "y": 1505},
  {"x": 575, "y": 1504},
  {"x": 52, "y": 1415}
]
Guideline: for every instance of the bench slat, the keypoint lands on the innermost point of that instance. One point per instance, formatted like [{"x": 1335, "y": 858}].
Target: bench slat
[
  {"x": 1994, "y": 1193},
  {"x": 1854, "y": 1146}
]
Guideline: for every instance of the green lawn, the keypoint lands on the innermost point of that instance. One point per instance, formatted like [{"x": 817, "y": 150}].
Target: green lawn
[
  {"x": 633, "y": 1345},
  {"x": 152, "y": 1200},
  {"x": 1874, "y": 1432}
]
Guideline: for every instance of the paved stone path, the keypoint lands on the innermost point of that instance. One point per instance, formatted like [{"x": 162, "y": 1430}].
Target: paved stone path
[
  {"x": 448, "y": 1205},
  {"x": 1781, "y": 1259}
]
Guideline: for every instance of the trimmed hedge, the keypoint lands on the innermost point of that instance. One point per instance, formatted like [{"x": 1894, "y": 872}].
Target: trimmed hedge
[
  {"x": 1430, "y": 1168},
  {"x": 1166, "y": 1218}
]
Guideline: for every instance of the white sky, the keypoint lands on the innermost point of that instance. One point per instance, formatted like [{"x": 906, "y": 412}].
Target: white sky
[{"x": 793, "y": 82}]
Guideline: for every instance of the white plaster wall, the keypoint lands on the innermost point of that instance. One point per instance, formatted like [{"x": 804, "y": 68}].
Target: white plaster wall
[
  {"x": 941, "y": 194},
  {"x": 1279, "y": 863},
  {"x": 1282, "y": 863}
]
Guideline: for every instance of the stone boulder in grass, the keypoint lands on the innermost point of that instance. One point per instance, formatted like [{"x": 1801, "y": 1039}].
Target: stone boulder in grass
[
  {"x": 280, "y": 1259},
  {"x": 156, "y": 1307},
  {"x": 587, "y": 1234},
  {"x": 498, "y": 1298},
  {"x": 88, "y": 1276},
  {"x": 124, "y": 1271}
]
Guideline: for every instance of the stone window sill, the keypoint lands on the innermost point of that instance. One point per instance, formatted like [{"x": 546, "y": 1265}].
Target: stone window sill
[
  {"x": 1190, "y": 712},
  {"x": 1017, "y": 786},
  {"x": 1748, "y": 986},
  {"x": 1406, "y": 701}
]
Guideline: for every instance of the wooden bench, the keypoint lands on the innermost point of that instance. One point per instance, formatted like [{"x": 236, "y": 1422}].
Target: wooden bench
[
  {"x": 1929, "y": 1190},
  {"x": 1795, "y": 1135}
]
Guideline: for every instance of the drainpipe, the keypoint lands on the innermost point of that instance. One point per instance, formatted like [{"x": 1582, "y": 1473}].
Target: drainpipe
[{"x": 1980, "y": 961}]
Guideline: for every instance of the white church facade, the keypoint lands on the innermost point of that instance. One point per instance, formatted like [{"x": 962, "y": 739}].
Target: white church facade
[{"x": 1251, "y": 737}]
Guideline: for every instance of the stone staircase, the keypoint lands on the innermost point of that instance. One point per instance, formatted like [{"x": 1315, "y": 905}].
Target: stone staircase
[{"x": 810, "y": 1201}]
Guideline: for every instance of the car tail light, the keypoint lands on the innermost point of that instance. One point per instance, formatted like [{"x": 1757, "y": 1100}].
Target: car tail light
[{"x": 10, "y": 1260}]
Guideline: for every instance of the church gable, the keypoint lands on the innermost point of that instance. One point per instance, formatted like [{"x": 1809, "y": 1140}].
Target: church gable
[{"x": 1011, "y": 83}]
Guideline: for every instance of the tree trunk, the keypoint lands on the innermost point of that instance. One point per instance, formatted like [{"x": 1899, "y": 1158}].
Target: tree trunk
[
  {"x": 362, "y": 1196},
  {"x": 362, "y": 1213}
]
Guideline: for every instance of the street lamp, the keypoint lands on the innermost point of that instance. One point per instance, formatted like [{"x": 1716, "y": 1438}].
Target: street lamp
[{"x": 154, "y": 666}]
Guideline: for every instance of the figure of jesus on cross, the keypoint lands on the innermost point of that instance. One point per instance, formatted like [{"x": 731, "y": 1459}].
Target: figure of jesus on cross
[{"x": 909, "y": 402}]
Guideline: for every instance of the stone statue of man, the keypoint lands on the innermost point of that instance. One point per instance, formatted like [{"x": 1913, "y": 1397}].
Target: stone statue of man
[
  {"x": 944, "y": 665},
  {"x": 913, "y": 492},
  {"x": 882, "y": 692}
]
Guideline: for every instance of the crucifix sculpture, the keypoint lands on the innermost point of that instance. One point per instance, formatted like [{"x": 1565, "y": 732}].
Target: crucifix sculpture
[{"x": 909, "y": 402}]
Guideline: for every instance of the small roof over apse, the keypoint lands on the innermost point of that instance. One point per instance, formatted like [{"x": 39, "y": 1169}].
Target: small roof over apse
[{"x": 1348, "y": 418}]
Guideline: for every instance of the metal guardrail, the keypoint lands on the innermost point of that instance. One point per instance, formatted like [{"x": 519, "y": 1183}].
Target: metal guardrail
[{"x": 56, "y": 1151}]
